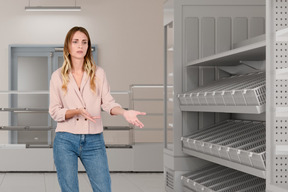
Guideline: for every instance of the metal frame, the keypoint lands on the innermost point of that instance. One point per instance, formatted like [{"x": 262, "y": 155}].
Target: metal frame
[
  {"x": 276, "y": 116},
  {"x": 169, "y": 25}
]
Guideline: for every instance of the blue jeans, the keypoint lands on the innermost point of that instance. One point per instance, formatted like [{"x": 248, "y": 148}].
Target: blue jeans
[{"x": 91, "y": 150}]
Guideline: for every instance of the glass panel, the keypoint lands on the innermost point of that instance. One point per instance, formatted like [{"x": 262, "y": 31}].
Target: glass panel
[
  {"x": 60, "y": 61},
  {"x": 32, "y": 73},
  {"x": 32, "y": 101},
  {"x": 24, "y": 124},
  {"x": 30, "y": 120},
  {"x": 32, "y": 137}
]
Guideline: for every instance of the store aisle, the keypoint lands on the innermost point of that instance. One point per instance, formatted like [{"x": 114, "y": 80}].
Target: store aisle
[{"x": 47, "y": 182}]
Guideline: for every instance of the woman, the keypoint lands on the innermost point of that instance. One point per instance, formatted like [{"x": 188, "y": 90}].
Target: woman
[{"x": 78, "y": 90}]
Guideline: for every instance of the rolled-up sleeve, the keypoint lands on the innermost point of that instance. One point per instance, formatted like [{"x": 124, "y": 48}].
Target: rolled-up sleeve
[
  {"x": 107, "y": 101},
  {"x": 56, "y": 109}
]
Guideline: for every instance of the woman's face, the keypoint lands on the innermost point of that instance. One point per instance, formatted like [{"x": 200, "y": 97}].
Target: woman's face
[{"x": 78, "y": 45}]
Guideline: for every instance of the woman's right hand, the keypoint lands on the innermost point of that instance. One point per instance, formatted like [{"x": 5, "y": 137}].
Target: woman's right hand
[{"x": 84, "y": 113}]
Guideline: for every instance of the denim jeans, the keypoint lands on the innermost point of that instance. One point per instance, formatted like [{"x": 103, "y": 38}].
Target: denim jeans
[{"x": 90, "y": 148}]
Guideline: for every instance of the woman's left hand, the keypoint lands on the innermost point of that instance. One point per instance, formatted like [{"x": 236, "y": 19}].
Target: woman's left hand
[{"x": 131, "y": 117}]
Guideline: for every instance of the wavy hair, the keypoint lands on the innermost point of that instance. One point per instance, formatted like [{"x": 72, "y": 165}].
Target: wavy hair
[{"x": 88, "y": 66}]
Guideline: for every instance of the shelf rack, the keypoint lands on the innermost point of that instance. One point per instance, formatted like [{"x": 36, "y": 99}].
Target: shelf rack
[
  {"x": 230, "y": 142},
  {"x": 225, "y": 109},
  {"x": 27, "y": 110},
  {"x": 251, "y": 52},
  {"x": 220, "y": 178},
  {"x": 26, "y": 128},
  {"x": 203, "y": 99},
  {"x": 233, "y": 165},
  {"x": 235, "y": 94}
]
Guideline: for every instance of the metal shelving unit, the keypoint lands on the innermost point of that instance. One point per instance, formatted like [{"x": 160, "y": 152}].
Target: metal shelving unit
[
  {"x": 229, "y": 144},
  {"x": 210, "y": 35},
  {"x": 206, "y": 97}
]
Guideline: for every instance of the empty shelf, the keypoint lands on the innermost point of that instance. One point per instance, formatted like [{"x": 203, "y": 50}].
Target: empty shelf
[
  {"x": 225, "y": 109},
  {"x": 31, "y": 110},
  {"x": 255, "y": 51},
  {"x": 236, "y": 94},
  {"x": 38, "y": 146},
  {"x": 116, "y": 128},
  {"x": 227, "y": 163},
  {"x": 219, "y": 178},
  {"x": 237, "y": 141},
  {"x": 26, "y": 128}
]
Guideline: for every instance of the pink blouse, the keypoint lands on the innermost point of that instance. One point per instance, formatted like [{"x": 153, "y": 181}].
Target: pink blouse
[{"x": 74, "y": 98}]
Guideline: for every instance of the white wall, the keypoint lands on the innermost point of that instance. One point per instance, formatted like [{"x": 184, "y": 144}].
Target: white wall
[{"x": 129, "y": 34}]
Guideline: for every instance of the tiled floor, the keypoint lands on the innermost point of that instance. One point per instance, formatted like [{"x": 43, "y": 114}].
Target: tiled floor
[{"x": 47, "y": 182}]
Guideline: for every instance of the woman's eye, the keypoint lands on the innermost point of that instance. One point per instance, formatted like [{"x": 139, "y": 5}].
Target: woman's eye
[
  {"x": 85, "y": 42},
  {"x": 74, "y": 41}
]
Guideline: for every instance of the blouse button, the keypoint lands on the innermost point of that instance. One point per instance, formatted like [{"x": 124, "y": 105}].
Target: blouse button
[
  {"x": 77, "y": 119},
  {"x": 85, "y": 119}
]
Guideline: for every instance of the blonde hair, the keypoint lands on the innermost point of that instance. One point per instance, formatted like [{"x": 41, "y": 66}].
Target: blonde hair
[{"x": 89, "y": 65}]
